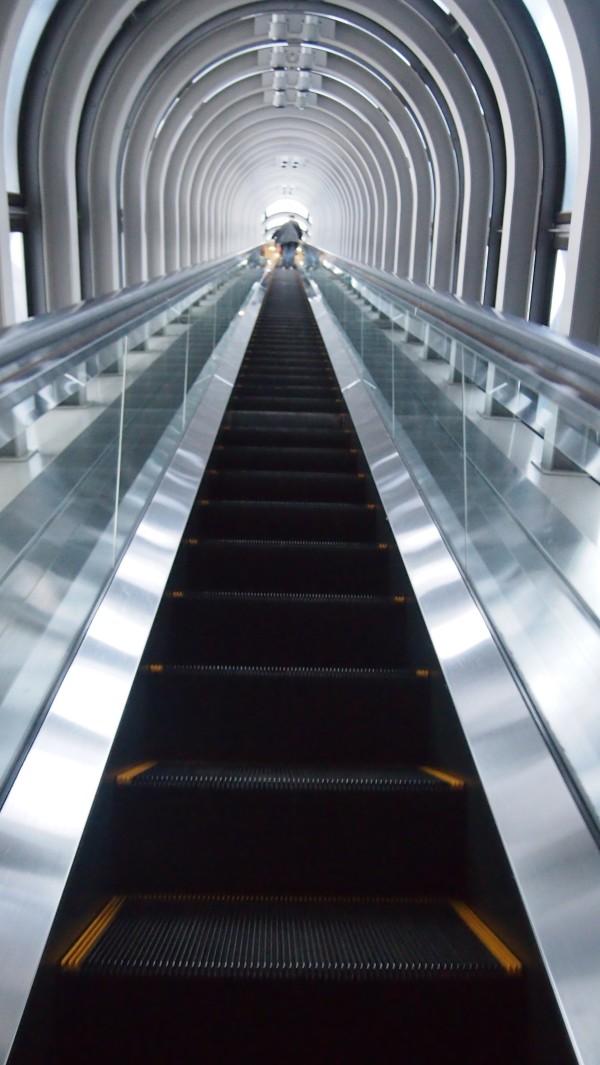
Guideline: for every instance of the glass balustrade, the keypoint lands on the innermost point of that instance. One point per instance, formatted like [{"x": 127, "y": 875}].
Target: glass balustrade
[
  {"x": 510, "y": 476},
  {"x": 75, "y": 481}
]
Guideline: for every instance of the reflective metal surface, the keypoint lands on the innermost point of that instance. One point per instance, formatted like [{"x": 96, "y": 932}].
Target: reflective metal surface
[
  {"x": 45, "y": 812},
  {"x": 565, "y": 370},
  {"x": 49, "y": 360},
  {"x": 553, "y": 856},
  {"x": 527, "y": 541},
  {"x": 68, "y": 510}
]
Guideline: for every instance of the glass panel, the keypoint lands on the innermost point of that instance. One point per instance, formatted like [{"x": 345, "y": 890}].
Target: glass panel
[
  {"x": 74, "y": 485},
  {"x": 526, "y": 536}
]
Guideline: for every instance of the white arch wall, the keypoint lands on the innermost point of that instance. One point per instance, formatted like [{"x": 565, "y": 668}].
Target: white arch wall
[
  {"x": 15, "y": 14},
  {"x": 497, "y": 47},
  {"x": 70, "y": 78},
  {"x": 579, "y": 24},
  {"x": 473, "y": 232},
  {"x": 160, "y": 179},
  {"x": 414, "y": 188},
  {"x": 106, "y": 273}
]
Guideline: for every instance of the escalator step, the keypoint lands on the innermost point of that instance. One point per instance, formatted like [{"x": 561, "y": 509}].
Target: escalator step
[
  {"x": 280, "y": 375},
  {"x": 277, "y": 458},
  {"x": 294, "y": 485},
  {"x": 286, "y": 565},
  {"x": 333, "y": 717},
  {"x": 260, "y": 389},
  {"x": 305, "y": 437},
  {"x": 287, "y": 778},
  {"x": 291, "y": 939},
  {"x": 283, "y": 520},
  {"x": 276, "y": 366},
  {"x": 273, "y": 828},
  {"x": 269, "y": 628},
  {"x": 287, "y": 419},
  {"x": 289, "y": 980},
  {"x": 259, "y": 402}
]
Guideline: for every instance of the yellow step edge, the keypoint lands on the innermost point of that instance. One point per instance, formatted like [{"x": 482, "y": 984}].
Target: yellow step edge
[
  {"x": 77, "y": 954},
  {"x": 509, "y": 961},
  {"x": 127, "y": 775},
  {"x": 448, "y": 778}
]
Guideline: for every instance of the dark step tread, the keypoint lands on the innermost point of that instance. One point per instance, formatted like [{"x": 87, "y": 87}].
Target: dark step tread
[
  {"x": 270, "y": 365},
  {"x": 294, "y": 565},
  {"x": 334, "y": 439},
  {"x": 279, "y": 938},
  {"x": 324, "y": 477},
  {"x": 258, "y": 388},
  {"x": 286, "y": 419},
  {"x": 296, "y": 629},
  {"x": 284, "y": 519},
  {"x": 286, "y": 504},
  {"x": 291, "y": 485},
  {"x": 279, "y": 459},
  {"x": 218, "y": 595},
  {"x": 348, "y": 546},
  {"x": 310, "y": 382},
  {"x": 286, "y": 778},
  {"x": 258, "y": 403},
  {"x": 202, "y": 669}
]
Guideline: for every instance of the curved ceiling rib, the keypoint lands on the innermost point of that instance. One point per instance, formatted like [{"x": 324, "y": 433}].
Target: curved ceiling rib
[
  {"x": 407, "y": 266},
  {"x": 416, "y": 128}
]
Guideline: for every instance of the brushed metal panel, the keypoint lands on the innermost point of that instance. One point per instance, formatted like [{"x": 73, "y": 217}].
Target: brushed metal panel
[
  {"x": 45, "y": 813},
  {"x": 550, "y": 849}
]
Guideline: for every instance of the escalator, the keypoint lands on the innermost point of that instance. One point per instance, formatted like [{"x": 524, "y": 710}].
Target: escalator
[{"x": 277, "y": 867}]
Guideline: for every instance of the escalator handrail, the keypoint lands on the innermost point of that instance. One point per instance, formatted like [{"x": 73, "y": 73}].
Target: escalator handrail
[
  {"x": 564, "y": 370},
  {"x": 34, "y": 352}
]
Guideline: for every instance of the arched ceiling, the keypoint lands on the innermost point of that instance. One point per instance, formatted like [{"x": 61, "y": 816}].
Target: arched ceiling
[{"x": 155, "y": 134}]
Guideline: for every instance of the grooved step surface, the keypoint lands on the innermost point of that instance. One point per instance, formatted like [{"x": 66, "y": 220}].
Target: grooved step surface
[
  {"x": 291, "y": 672},
  {"x": 278, "y": 458},
  {"x": 290, "y": 939},
  {"x": 287, "y": 419},
  {"x": 285, "y": 485},
  {"x": 259, "y": 389},
  {"x": 286, "y": 778},
  {"x": 218, "y": 595},
  {"x": 307, "y": 437},
  {"x": 286, "y": 380},
  {"x": 287, "y": 566},
  {"x": 298, "y": 630},
  {"x": 282, "y": 520}
]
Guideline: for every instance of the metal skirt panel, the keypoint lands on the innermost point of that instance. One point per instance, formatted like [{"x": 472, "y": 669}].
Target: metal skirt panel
[
  {"x": 43, "y": 818},
  {"x": 553, "y": 856}
]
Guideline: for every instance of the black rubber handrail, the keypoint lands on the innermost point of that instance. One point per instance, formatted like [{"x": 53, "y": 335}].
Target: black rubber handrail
[
  {"x": 564, "y": 370},
  {"x": 33, "y": 351}
]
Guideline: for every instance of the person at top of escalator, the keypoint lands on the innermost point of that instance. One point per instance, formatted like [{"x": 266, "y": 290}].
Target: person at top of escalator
[{"x": 288, "y": 236}]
